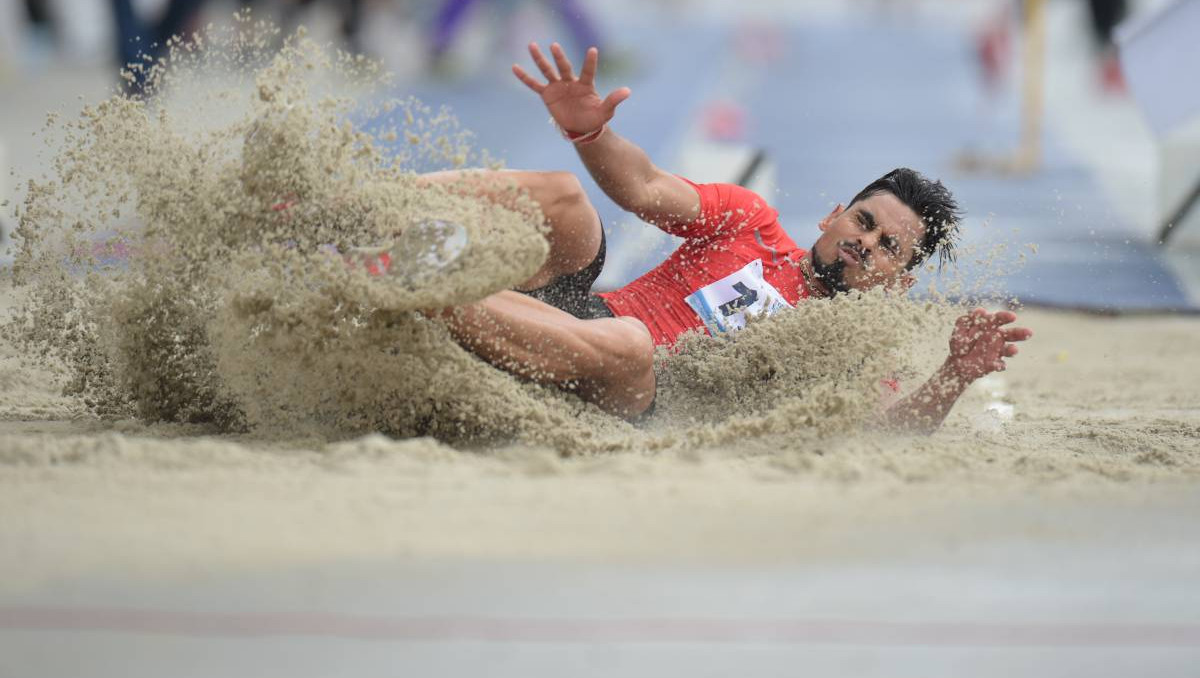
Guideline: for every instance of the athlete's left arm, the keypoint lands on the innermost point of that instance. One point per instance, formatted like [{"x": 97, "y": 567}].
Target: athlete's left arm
[{"x": 980, "y": 343}]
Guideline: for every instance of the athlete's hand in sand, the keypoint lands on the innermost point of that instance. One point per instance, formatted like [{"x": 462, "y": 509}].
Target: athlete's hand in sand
[
  {"x": 981, "y": 341},
  {"x": 573, "y": 102}
]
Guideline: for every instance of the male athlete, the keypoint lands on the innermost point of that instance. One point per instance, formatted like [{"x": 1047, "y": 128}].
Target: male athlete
[{"x": 735, "y": 259}]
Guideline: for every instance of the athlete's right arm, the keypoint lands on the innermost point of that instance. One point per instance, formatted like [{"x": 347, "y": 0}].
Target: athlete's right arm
[
  {"x": 626, "y": 174},
  {"x": 621, "y": 169}
]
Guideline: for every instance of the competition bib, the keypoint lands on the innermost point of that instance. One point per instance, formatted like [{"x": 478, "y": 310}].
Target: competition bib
[{"x": 724, "y": 304}]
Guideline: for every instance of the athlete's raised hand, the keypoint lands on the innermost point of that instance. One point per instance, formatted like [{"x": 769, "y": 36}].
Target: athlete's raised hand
[
  {"x": 981, "y": 342},
  {"x": 573, "y": 101}
]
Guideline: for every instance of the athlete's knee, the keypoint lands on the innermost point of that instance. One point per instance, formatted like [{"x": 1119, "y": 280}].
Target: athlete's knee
[
  {"x": 559, "y": 193},
  {"x": 630, "y": 391},
  {"x": 620, "y": 375},
  {"x": 568, "y": 187},
  {"x": 633, "y": 351},
  {"x": 574, "y": 226}
]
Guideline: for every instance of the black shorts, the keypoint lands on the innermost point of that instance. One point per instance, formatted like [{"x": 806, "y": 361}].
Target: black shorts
[{"x": 573, "y": 292}]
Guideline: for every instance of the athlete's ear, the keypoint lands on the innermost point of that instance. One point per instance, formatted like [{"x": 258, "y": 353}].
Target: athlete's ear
[{"x": 837, "y": 211}]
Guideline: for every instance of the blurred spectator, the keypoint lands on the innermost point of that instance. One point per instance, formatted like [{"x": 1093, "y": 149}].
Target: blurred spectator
[
  {"x": 10, "y": 16},
  {"x": 452, "y": 13},
  {"x": 993, "y": 47},
  {"x": 16, "y": 15},
  {"x": 137, "y": 36},
  {"x": 1105, "y": 15},
  {"x": 350, "y": 15}
]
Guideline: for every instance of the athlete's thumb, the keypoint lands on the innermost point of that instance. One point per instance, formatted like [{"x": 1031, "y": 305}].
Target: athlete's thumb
[{"x": 615, "y": 98}]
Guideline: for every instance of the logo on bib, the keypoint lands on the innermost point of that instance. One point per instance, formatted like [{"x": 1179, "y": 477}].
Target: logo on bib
[{"x": 724, "y": 304}]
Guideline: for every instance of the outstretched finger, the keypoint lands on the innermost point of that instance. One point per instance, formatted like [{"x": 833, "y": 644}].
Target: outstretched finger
[
  {"x": 542, "y": 63},
  {"x": 1003, "y": 318},
  {"x": 527, "y": 79},
  {"x": 1017, "y": 333},
  {"x": 1010, "y": 350},
  {"x": 564, "y": 65},
  {"x": 615, "y": 98},
  {"x": 588, "y": 75}
]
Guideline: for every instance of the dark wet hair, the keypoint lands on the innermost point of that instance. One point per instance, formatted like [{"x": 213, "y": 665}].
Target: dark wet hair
[{"x": 931, "y": 201}]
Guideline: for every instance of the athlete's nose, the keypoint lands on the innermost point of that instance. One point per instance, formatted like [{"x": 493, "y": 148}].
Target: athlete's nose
[{"x": 864, "y": 243}]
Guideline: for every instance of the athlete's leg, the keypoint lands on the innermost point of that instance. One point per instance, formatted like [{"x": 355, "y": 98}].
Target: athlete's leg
[
  {"x": 608, "y": 361},
  {"x": 575, "y": 231}
]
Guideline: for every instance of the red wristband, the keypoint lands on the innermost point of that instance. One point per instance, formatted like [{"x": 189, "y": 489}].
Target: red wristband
[
  {"x": 581, "y": 138},
  {"x": 589, "y": 137}
]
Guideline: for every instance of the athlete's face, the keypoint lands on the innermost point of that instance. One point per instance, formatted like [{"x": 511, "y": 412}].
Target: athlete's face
[{"x": 868, "y": 244}]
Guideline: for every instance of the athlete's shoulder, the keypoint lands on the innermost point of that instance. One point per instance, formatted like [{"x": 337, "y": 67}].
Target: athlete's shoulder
[
  {"x": 744, "y": 198},
  {"x": 729, "y": 208},
  {"x": 720, "y": 196}
]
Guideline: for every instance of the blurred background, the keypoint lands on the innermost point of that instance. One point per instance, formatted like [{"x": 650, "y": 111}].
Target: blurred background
[
  {"x": 1062, "y": 125},
  {"x": 1070, "y": 131}
]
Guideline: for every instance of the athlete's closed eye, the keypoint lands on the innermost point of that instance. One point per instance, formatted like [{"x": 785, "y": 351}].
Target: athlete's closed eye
[
  {"x": 866, "y": 219},
  {"x": 891, "y": 244}
]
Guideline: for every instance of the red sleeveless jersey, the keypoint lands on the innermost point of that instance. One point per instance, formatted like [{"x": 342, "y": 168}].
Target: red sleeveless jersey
[{"x": 736, "y": 227}]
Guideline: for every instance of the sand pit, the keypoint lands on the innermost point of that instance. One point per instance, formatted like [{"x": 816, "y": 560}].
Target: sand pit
[
  {"x": 1102, "y": 415},
  {"x": 195, "y": 380}
]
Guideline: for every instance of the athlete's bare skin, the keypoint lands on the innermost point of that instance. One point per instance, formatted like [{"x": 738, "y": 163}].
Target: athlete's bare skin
[{"x": 609, "y": 361}]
